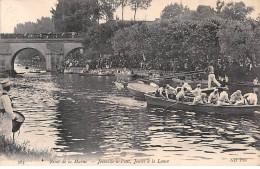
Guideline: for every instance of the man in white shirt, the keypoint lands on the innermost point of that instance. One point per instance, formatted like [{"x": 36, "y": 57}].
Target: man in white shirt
[
  {"x": 211, "y": 76},
  {"x": 160, "y": 92},
  {"x": 250, "y": 99},
  {"x": 223, "y": 98},
  {"x": 201, "y": 99},
  {"x": 181, "y": 95},
  {"x": 187, "y": 86},
  {"x": 236, "y": 96},
  {"x": 170, "y": 91},
  {"x": 213, "y": 97},
  {"x": 197, "y": 91}
]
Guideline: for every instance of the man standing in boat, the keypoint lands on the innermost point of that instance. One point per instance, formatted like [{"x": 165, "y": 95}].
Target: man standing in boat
[{"x": 211, "y": 76}]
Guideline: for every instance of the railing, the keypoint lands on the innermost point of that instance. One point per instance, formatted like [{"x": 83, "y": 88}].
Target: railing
[{"x": 68, "y": 35}]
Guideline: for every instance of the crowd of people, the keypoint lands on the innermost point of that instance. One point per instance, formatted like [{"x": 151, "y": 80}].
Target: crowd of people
[{"x": 49, "y": 35}]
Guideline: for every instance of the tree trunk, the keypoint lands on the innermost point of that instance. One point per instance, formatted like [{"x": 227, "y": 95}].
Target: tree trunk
[
  {"x": 122, "y": 11},
  {"x": 135, "y": 15},
  {"x": 135, "y": 11}
]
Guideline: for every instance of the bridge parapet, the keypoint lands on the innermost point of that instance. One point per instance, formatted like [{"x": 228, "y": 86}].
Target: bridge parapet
[
  {"x": 50, "y": 35},
  {"x": 40, "y": 40}
]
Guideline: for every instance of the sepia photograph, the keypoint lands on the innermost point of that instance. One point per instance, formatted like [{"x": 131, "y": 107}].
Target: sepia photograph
[{"x": 129, "y": 82}]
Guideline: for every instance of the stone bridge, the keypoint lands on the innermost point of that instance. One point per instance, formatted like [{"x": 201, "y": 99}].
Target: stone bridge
[{"x": 53, "y": 50}]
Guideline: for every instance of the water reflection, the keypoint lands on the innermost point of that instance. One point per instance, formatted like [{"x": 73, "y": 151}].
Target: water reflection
[{"x": 87, "y": 116}]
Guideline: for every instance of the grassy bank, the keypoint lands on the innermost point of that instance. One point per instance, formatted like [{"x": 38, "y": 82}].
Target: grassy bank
[{"x": 14, "y": 151}]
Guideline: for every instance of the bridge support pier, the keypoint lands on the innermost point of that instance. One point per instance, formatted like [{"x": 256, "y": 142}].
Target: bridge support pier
[{"x": 53, "y": 61}]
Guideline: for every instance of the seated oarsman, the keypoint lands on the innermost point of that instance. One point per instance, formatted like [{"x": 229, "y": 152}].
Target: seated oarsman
[
  {"x": 181, "y": 95},
  {"x": 236, "y": 96},
  {"x": 160, "y": 92},
  {"x": 201, "y": 99},
  {"x": 197, "y": 92},
  {"x": 251, "y": 98},
  {"x": 213, "y": 97},
  {"x": 223, "y": 97},
  {"x": 170, "y": 92},
  {"x": 187, "y": 86}
]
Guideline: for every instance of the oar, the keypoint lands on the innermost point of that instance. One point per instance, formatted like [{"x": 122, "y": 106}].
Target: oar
[{"x": 170, "y": 106}]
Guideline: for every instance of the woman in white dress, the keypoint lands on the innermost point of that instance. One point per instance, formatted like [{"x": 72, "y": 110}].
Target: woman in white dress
[{"x": 6, "y": 110}]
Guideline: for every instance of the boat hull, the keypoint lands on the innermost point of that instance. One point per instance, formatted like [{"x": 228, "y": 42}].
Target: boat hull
[
  {"x": 137, "y": 94},
  {"x": 188, "y": 106},
  {"x": 138, "y": 90}
]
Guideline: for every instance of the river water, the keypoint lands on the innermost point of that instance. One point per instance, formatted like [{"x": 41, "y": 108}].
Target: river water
[{"x": 89, "y": 117}]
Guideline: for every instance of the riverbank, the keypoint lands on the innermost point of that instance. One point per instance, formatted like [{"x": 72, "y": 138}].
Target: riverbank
[{"x": 10, "y": 150}]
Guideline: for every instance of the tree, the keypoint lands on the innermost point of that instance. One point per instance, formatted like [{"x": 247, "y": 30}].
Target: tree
[
  {"x": 107, "y": 8},
  {"x": 239, "y": 41},
  {"x": 42, "y": 25},
  {"x": 205, "y": 11},
  {"x": 75, "y": 15},
  {"x": 219, "y": 6},
  {"x": 123, "y": 4},
  {"x": 236, "y": 11},
  {"x": 173, "y": 10},
  {"x": 139, "y": 4}
]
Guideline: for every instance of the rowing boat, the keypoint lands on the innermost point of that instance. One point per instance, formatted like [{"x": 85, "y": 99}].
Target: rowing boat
[
  {"x": 248, "y": 84},
  {"x": 138, "y": 90},
  {"x": 176, "y": 80},
  {"x": 189, "y": 106}
]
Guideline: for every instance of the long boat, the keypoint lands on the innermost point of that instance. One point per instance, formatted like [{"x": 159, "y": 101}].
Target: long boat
[
  {"x": 138, "y": 90},
  {"x": 248, "y": 84},
  {"x": 96, "y": 74},
  {"x": 189, "y": 106},
  {"x": 177, "y": 80}
]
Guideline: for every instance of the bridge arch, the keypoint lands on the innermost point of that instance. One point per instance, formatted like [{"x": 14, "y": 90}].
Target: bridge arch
[
  {"x": 68, "y": 47},
  {"x": 18, "y": 51},
  {"x": 16, "y": 48}
]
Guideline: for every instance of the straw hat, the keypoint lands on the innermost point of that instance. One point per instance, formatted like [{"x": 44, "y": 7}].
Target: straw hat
[{"x": 5, "y": 83}]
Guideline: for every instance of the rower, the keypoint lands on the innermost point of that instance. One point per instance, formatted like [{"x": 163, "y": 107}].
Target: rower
[
  {"x": 170, "y": 92},
  {"x": 187, "y": 86},
  {"x": 236, "y": 96},
  {"x": 211, "y": 76},
  {"x": 160, "y": 92},
  {"x": 251, "y": 98},
  {"x": 223, "y": 98},
  {"x": 213, "y": 97},
  {"x": 181, "y": 95},
  {"x": 201, "y": 99},
  {"x": 197, "y": 91}
]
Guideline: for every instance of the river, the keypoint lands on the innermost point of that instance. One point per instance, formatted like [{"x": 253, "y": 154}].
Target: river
[{"x": 87, "y": 116}]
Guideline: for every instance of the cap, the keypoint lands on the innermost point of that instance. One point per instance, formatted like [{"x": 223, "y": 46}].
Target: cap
[{"x": 198, "y": 85}]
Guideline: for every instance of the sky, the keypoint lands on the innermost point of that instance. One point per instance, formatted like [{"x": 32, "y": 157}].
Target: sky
[{"x": 13, "y": 12}]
